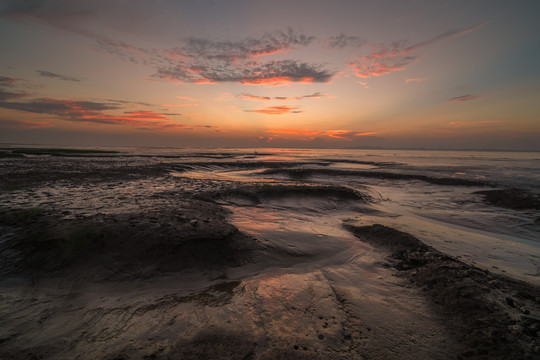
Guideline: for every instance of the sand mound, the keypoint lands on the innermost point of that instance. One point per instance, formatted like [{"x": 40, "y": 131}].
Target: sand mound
[
  {"x": 259, "y": 193},
  {"x": 496, "y": 317},
  {"x": 301, "y": 173},
  {"x": 122, "y": 246},
  {"x": 517, "y": 199}
]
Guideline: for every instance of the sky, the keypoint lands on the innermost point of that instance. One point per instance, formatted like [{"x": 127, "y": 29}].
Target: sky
[{"x": 248, "y": 73}]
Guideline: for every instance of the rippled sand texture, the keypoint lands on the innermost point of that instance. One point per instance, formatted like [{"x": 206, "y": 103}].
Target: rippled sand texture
[{"x": 237, "y": 255}]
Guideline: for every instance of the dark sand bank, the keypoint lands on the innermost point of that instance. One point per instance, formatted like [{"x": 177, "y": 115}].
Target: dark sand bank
[
  {"x": 106, "y": 258},
  {"x": 301, "y": 173},
  {"x": 511, "y": 198},
  {"x": 494, "y": 316},
  {"x": 258, "y": 193},
  {"x": 147, "y": 243}
]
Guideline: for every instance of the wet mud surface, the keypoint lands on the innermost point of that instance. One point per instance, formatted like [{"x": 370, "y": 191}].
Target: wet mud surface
[
  {"x": 496, "y": 317},
  {"x": 114, "y": 257}
]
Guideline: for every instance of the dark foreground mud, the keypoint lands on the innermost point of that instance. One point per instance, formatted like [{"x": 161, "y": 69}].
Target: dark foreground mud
[
  {"x": 494, "y": 316},
  {"x": 151, "y": 242}
]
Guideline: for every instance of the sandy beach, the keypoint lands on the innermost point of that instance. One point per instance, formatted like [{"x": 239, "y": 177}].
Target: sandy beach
[{"x": 108, "y": 256}]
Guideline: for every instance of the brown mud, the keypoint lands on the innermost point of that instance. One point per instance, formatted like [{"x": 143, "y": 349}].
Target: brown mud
[{"x": 496, "y": 317}]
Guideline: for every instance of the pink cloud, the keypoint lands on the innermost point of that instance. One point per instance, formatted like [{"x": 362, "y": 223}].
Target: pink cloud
[
  {"x": 396, "y": 56},
  {"x": 277, "y": 110},
  {"x": 91, "y": 112},
  {"x": 337, "y": 134},
  {"x": 415, "y": 80}
]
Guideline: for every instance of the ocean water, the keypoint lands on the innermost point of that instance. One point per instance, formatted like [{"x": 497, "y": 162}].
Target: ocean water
[{"x": 403, "y": 187}]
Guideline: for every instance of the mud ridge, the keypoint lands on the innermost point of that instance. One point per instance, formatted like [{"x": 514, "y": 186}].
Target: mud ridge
[
  {"x": 257, "y": 193},
  {"x": 494, "y": 316},
  {"x": 305, "y": 173},
  {"x": 512, "y": 198},
  {"x": 363, "y": 162},
  {"x": 240, "y": 164},
  {"x": 122, "y": 246}
]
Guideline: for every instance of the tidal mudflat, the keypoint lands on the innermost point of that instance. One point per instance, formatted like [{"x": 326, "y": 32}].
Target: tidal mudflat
[{"x": 268, "y": 254}]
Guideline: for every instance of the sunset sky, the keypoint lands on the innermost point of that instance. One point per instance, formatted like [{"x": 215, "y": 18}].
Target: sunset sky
[{"x": 391, "y": 74}]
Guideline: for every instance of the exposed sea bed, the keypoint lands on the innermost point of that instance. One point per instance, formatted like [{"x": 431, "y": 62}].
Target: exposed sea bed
[{"x": 167, "y": 256}]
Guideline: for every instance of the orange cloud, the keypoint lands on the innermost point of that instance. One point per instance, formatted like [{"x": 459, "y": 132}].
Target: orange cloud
[
  {"x": 179, "y": 105},
  {"x": 337, "y": 134},
  {"x": 397, "y": 55},
  {"x": 278, "y": 80},
  {"x": 277, "y": 110},
  {"x": 91, "y": 112},
  {"x": 462, "y": 124},
  {"x": 187, "y": 98},
  {"x": 415, "y": 80},
  {"x": 246, "y": 96},
  {"x": 225, "y": 97}
]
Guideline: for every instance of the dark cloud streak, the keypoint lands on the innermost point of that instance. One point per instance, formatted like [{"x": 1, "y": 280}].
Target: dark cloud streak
[
  {"x": 462, "y": 98},
  {"x": 343, "y": 41},
  {"x": 227, "y": 50},
  {"x": 57, "y": 76},
  {"x": 246, "y": 96}
]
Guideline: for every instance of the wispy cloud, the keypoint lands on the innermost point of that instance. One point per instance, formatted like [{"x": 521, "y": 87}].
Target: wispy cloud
[
  {"x": 343, "y": 41},
  {"x": 180, "y": 105},
  {"x": 23, "y": 124},
  {"x": 6, "y": 86},
  {"x": 8, "y": 81},
  {"x": 277, "y": 110},
  {"x": 312, "y": 134},
  {"x": 187, "y": 98},
  {"x": 225, "y": 97},
  {"x": 10, "y": 95},
  {"x": 467, "y": 124},
  {"x": 244, "y": 49},
  {"x": 57, "y": 76},
  {"x": 463, "y": 98},
  {"x": 93, "y": 112},
  {"x": 59, "y": 107},
  {"x": 415, "y": 80},
  {"x": 246, "y": 96},
  {"x": 398, "y": 54}
]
